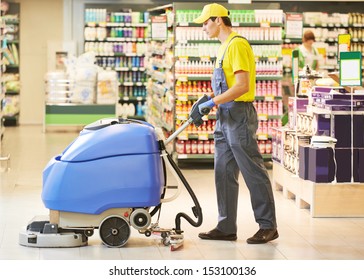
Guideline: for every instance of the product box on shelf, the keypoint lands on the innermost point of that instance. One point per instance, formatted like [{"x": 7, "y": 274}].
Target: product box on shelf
[
  {"x": 300, "y": 140},
  {"x": 304, "y": 123},
  {"x": 321, "y": 167},
  {"x": 321, "y": 124},
  {"x": 278, "y": 138},
  {"x": 341, "y": 130},
  {"x": 295, "y": 105},
  {"x": 303, "y": 161},
  {"x": 277, "y": 144},
  {"x": 360, "y": 166},
  {"x": 287, "y": 138}
]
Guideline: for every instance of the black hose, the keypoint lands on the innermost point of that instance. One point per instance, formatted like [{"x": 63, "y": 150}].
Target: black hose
[{"x": 197, "y": 211}]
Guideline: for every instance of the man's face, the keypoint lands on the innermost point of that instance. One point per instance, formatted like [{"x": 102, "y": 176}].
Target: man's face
[{"x": 211, "y": 28}]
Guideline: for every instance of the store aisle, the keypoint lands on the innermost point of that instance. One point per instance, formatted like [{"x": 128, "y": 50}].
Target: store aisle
[{"x": 301, "y": 237}]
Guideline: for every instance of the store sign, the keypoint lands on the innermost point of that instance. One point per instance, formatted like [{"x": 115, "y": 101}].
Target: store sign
[
  {"x": 350, "y": 69},
  {"x": 294, "y": 26},
  {"x": 159, "y": 27},
  {"x": 295, "y": 69},
  {"x": 343, "y": 44}
]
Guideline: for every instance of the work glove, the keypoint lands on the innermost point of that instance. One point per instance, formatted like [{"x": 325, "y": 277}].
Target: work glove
[{"x": 206, "y": 107}]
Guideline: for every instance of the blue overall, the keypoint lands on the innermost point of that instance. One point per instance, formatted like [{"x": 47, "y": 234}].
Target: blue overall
[{"x": 236, "y": 149}]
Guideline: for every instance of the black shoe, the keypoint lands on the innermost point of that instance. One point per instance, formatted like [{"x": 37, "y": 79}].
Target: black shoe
[
  {"x": 263, "y": 236},
  {"x": 215, "y": 234}
]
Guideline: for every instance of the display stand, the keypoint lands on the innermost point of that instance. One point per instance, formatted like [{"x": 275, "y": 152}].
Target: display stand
[
  {"x": 322, "y": 199},
  {"x": 328, "y": 199}
]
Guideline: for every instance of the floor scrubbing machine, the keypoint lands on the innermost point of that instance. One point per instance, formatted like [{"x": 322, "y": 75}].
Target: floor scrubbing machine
[{"x": 112, "y": 177}]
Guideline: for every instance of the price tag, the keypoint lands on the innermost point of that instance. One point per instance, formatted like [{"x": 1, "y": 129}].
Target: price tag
[
  {"x": 269, "y": 98},
  {"x": 183, "y": 136},
  {"x": 205, "y": 58},
  {"x": 265, "y": 24},
  {"x": 272, "y": 59},
  {"x": 183, "y": 97},
  {"x": 203, "y": 136},
  {"x": 183, "y": 78},
  {"x": 182, "y": 117},
  {"x": 126, "y": 98},
  {"x": 262, "y": 136},
  {"x": 183, "y": 58},
  {"x": 262, "y": 117}
]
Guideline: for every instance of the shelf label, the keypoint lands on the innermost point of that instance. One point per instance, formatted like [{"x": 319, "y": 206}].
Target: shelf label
[
  {"x": 182, "y": 117},
  {"x": 262, "y": 136},
  {"x": 182, "y": 97},
  {"x": 183, "y": 136},
  {"x": 272, "y": 58},
  {"x": 269, "y": 98},
  {"x": 203, "y": 136},
  {"x": 126, "y": 98},
  {"x": 91, "y": 24},
  {"x": 205, "y": 58},
  {"x": 265, "y": 24},
  {"x": 262, "y": 117},
  {"x": 183, "y": 78},
  {"x": 183, "y": 58}
]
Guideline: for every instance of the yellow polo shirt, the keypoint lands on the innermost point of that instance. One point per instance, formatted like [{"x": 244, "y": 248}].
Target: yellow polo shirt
[{"x": 238, "y": 56}]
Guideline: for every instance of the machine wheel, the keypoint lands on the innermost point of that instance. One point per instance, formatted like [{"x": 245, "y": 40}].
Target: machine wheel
[
  {"x": 114, "y": 231},
  {"x": 89, "y": 232},
  {"x": 140, "y": 219}
]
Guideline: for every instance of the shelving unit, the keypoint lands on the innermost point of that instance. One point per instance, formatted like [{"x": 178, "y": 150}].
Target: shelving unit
[
  {"x": 160, "y": 63},
  {"x": 326, "y": 28},
  {"x": 10, "y": 61},
  {"x": 194, "y": 56},
  {"x": 2, "y": 82},
  {"x": 119, "y": 39},
  {"x": 4, "y": 63}
]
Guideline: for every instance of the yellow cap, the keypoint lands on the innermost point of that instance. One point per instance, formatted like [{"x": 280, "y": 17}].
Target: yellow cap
[{"x": 212, "y": 10}]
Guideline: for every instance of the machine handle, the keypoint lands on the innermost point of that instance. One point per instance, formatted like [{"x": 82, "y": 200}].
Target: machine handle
[{"x": 205, "y": 111}]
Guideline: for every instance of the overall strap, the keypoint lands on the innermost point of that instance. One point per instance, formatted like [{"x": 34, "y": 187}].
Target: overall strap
[{"x": 223, "y": 55}]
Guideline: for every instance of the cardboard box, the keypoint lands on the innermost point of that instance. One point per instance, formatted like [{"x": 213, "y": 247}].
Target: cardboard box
[
  {"x": 295, "y": 105},
  {"x": 321, "y": 168}
]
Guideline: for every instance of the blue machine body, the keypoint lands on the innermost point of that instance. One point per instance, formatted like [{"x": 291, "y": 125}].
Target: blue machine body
[{"x": 107, "y": 166}]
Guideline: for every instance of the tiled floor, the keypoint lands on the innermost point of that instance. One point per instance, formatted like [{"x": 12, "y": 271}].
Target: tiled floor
[{"x": 301, "y": 237}]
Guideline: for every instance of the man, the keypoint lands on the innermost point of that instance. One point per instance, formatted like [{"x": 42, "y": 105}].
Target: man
[{"x": 236, "y": 147}]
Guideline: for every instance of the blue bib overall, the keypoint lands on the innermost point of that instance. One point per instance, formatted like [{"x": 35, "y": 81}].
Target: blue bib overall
[{"x": 236, "y": 149}]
